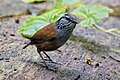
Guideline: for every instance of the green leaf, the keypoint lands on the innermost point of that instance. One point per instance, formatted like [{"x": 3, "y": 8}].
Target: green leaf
[
  {"x": 87, "y": 22},
  {"x": 32, "y": 1},
  {"x": 36, "y": 23},
  {"x": 92, "y": 13},
  {"x": 68, "y": 3}
]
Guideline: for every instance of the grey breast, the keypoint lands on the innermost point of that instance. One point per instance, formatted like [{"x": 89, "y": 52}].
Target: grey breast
[{"x": 64, "y": 29}]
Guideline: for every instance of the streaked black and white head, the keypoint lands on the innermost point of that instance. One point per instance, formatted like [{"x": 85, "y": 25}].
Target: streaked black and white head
[{"x": 67, "y": 22}]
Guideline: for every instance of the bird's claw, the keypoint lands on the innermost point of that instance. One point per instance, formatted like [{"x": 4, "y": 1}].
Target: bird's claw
[
  {"x": 52, "y": 61},
  {"x": 53, "y": 68}
]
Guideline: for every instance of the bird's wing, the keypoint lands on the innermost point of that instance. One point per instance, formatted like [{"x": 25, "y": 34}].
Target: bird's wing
[{"x": 48, "y": 33}]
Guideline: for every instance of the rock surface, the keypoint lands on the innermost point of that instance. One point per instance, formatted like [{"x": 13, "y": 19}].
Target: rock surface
[{"x": 19, "y": 64}]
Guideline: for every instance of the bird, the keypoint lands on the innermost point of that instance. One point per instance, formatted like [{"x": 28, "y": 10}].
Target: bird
[{"x": 53, "y": 36}]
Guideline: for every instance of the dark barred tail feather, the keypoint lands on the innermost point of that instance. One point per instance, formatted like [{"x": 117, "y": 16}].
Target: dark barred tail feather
[{"x": 26, "y": 45}]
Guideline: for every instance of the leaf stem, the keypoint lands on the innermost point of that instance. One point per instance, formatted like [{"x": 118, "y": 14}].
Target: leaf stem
[{"x": 109, "y": 31}]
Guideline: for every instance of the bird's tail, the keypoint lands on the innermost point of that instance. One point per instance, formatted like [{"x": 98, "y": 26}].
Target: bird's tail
[{"x": 26, "y": 45}]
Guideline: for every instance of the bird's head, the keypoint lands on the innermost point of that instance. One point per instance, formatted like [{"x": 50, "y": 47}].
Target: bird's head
[{"x": 67, "y": 22}]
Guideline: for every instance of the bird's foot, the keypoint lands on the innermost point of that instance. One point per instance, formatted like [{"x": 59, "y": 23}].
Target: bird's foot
[
  {"x": 56, "y": 63},
  {"x": 48, "y": 66},
  {"x": 52, "y": 61},
  {"x": 51, "y": 69}
]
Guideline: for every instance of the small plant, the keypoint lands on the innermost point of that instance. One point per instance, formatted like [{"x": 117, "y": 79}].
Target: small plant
[{"x": 91, "y": 15}]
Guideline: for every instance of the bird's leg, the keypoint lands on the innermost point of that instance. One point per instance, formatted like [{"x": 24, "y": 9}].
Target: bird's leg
[
  {"x": 42, "y": 58},
  {"x": 49, "y": 58},
  {"x": 44, "y": 61}
]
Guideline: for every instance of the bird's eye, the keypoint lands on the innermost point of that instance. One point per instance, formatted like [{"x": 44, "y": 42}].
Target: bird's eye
[{"x": 67, "y": 17}]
